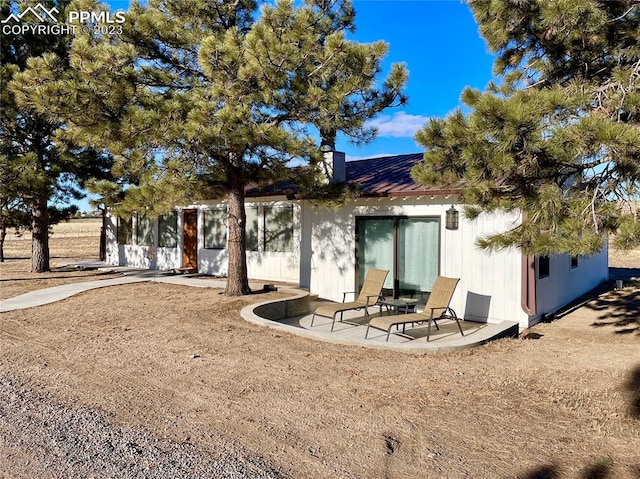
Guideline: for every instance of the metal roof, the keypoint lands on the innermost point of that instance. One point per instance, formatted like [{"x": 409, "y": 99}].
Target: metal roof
[
  {"x": 376, "y": 177},
  {"x": 390, "y": 176}
]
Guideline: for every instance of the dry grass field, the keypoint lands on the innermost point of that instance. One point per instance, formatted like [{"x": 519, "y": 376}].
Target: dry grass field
[
  {"x": 76, "y": 240},
  {"x": 181, "y": 364}
]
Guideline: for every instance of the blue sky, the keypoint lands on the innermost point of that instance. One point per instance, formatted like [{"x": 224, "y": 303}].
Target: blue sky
[{"x": 438, "y": 40}]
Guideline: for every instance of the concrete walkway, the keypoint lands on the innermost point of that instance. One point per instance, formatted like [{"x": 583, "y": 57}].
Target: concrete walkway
[
  {"x": 41, "y": 297},
  {"x": 130, "y": 275},
  {"x": 349, "y": 332}
]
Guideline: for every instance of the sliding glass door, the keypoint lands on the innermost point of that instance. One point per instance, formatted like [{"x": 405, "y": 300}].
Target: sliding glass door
[
  {"x": 375, "y": 248},
  {"x": 408, "y": 247}
]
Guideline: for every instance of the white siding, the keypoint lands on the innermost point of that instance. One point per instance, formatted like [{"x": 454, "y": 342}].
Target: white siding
[
  {"x": 332, "y": 260},
  {"x": 564, "y": 283},
  {"x": 112, "y": 256},
  {"x": 490, "y": 282}
]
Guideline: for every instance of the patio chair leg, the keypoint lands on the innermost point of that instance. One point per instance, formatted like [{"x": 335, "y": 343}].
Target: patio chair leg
[
  {"x": 459, "y": 327},
  {"x": 366, "y": 333},
  {"x": 455, "y": 316},
  {"x": 312, "y": 318},
  {"x": 431, "y": 318},
  {"x": 333, "y": 323},
  {"x": 389, "y": 333}
]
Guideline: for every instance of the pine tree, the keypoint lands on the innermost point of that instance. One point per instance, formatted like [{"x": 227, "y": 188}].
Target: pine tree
[
  {"x": 558, "y": 138},
  {"x": 44, "y": 172},
  {"x": 199, "y": 99},
  {"x": 13, "y": 213}
]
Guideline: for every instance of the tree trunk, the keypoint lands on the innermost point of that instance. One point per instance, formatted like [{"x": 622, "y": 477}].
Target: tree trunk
[
  {"x": 103, "y": 235},
  {"x": 40, "y": 237},
  {"x": 237, "y": 281},
  {"x": 3, "y": 235}
]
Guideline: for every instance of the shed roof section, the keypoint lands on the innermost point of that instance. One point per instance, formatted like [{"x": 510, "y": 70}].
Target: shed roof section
[{"x": 376, "y": 177}]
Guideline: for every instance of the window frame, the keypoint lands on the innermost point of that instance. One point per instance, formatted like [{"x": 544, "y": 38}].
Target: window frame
[{"x": 574, "y": 262}]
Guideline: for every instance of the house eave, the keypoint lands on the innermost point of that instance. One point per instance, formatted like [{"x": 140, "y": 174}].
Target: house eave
[{"x": 412, "y": 193}]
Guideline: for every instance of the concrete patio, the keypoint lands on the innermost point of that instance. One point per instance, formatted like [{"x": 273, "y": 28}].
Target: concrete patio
[{"x": 352, "y": 330}]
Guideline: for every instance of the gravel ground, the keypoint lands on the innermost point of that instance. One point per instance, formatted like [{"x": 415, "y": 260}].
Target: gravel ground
[{"x": 41, "y": 438}]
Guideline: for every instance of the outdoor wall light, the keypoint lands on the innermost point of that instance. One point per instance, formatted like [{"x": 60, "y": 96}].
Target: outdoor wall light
[{"x": 452, "y": 218}]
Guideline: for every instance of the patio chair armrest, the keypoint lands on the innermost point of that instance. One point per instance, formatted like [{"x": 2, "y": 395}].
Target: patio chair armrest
[
  {"x": 344, "y": 295},
  {"x": 444, "y": 310},
  {"x": 377, "y": 296}
]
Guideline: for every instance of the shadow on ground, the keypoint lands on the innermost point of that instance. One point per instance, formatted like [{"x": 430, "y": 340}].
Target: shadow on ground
[
  {"x": 620, "y": 309},
  {"x": 599, "y": 470},
  {"x": 633, "y": 386}
]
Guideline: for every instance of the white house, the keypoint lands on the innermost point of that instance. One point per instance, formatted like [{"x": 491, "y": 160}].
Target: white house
[{"x": 395, "y": 224}]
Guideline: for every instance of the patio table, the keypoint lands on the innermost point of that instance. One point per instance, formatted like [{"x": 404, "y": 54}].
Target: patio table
[{"x": 400, "y": 305}]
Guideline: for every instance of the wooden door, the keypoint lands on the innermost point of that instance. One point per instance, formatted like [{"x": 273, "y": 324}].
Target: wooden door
[{"x": 190, "y": 237}]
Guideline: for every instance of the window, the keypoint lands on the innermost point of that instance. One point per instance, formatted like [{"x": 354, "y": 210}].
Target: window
[
  {"x": 215, "y": 228},
  {"x": 269, "y": 228},
  {"x": 574, "y": 262},
  {"x": 252, "y": 228},
  {"x": 124, "y": 231},
  {"x": 144, "y": 231},
  {"x": 168, "y": 230},
  {"x": 543, "y": 267},
  {"x": 278, "y": 228}
]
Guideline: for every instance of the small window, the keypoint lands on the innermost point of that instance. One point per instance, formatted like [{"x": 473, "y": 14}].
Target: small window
[
  {"x": 252, "y": 228},
  {"x": 215, "y": 228},
  {"x": 574, "y": 262},
  {"x": 144, "y": 231},
  {"x": 125, "y": 231},
  {"x": 168, "y": 230},
  {"x": 543, "y": 266},
  {"x": 278, "y": 228}
]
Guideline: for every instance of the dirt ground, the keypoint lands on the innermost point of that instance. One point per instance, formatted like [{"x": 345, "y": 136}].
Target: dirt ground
[
  {"x": 77, "y": 240},
  {"x": 179, "y": 362}
]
